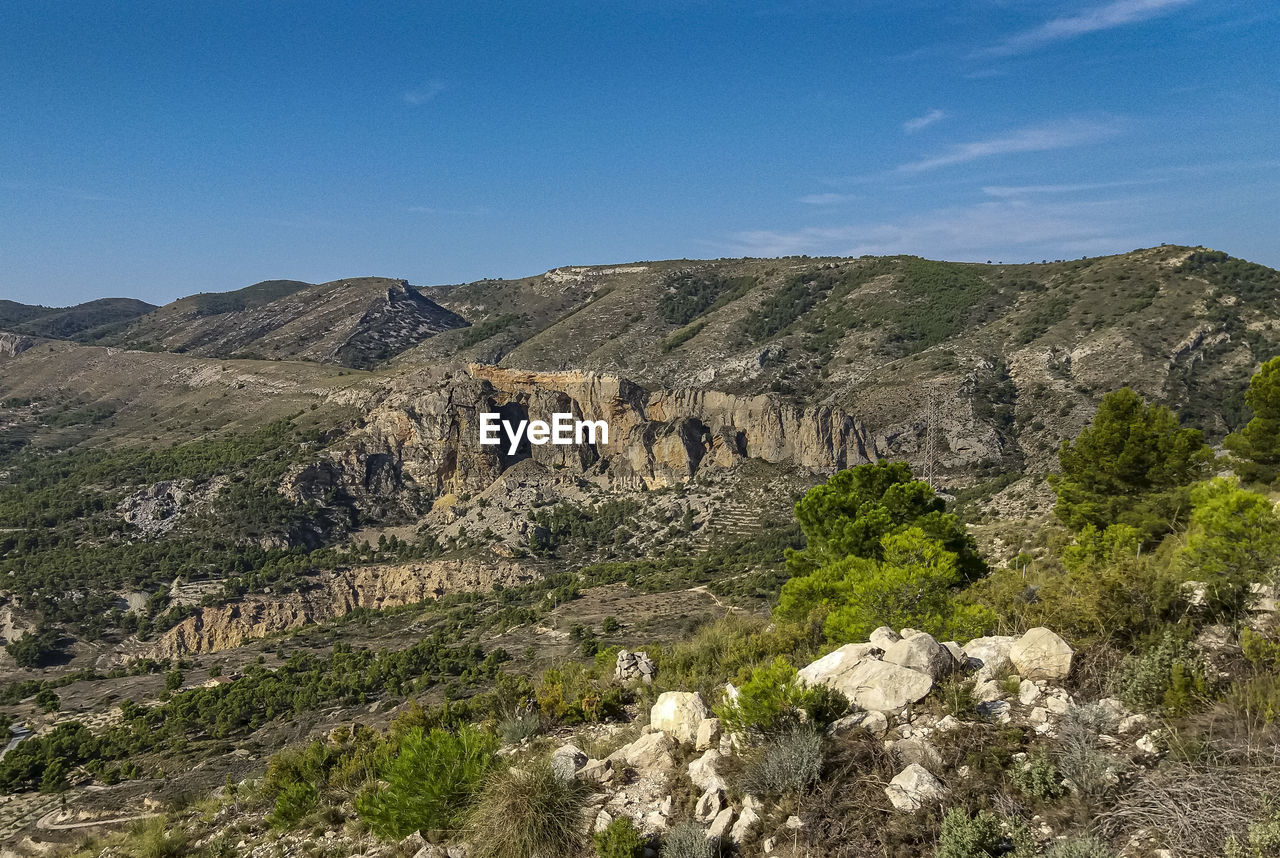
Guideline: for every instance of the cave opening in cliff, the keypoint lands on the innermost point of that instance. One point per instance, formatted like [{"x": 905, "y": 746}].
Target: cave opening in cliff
[{"x": 514, "y": 413}]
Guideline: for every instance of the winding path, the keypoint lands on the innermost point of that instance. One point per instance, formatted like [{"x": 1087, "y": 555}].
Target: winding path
[{"x": 46, "y": 824}]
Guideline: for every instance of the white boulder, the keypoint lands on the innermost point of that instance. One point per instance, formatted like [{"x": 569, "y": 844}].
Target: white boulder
[
  {"x": 990, "y": 655},
  {"x": 884, "y": 687},
  {"x": 702, "y": 771},
  {"x": 923, "y": 653},
  {"x": 884, "y": 637},
  {"x": 709, "y": 805},
  {"x": 835, "y": 664},
  {"x": 918, "y": 750},
  {"x": 708, "y": 734},
  {"x": 720, "y": 826},
  {"x": 1041, "y": 654},
  {"x": 874, "y": 723},
  {"x": 748, "y": 818},
  {"x": 913, "y": 788},
  {"x": 567, "y": 760},
  {"x": 678, "y": 714},
  {"x": 957, "y": 653},
  {"x": 650, "y": 751}
]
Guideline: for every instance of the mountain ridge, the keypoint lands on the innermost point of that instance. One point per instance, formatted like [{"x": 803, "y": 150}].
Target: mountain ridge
[
  {"x": 353, "y": 322},
  {"x": 78, "y": 321}
]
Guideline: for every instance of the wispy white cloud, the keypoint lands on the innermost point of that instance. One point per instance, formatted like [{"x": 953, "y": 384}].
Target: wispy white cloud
[
  {"x": 913, "y": 125},
  {"x": 1039, "y": 138},
  {"x": 993, "y": 229},
  {"x": 1005, "y": 191},
  {"x": 424, "y": 93},
  {"x": 435, "y": 210},
  {"x": 827, "y": 199},
  {"x": 1118, "y": 13}
]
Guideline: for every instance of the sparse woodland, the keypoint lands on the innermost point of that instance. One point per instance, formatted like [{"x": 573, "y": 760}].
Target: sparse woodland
[
  {"x": 1142, "y": 722},
  {"x": 862, "y": 666}
]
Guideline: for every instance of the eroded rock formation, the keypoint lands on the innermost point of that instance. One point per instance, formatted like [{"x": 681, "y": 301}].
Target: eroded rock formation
[
  {"x": 374, "y": 587},
  {"x": 422, "y": 438}
]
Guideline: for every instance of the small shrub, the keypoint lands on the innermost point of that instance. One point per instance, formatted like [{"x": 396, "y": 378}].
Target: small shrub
[
  {"x": 293, "y": 803},
  {"x": 155, "y": 838},
  {"x": 571, "y": 695},
  {"x": 620, "y": 839},
  {"x": 957, "y": 698},
  {"x": 787, "y": 764},
  {"x": 1037, "y": 778},
  {"x": 429, "y": 778},
  {"x": 1079, "y": 847},
  {"x": 1261, "y": 651},
  {"x": 1084, "y": 765},
  {"x": 516, "y": 728},
  {"x": 1168, "y": 675},
  {"x": 687, "y": 840},
  {"x": 524, "y": 813},
  {"x": 774, "y": 699},
  {"x": 963, "y": 836},
  {"x": 1255, "y": 699},
  {"x": 1264, "y": 841}
]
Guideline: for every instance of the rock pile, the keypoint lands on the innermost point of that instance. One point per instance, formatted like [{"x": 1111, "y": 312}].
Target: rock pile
[
  {"x": 634, "y": 667},
  {"x": 882, "y": 678}
]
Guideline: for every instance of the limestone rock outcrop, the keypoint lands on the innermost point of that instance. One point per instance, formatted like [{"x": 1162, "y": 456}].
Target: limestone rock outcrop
[
  {"x": 651, "y": 752},
  {"x": 831, "y": 667},
  {"x": 884, "y": 687},
  {"x": 679, "y": 714},
  {"x": 990, "y": 655},
  {"x": 221, "y": 627},
  {"x": 420, "y": 437},
  {"x": 913, "y": 788},
  {"x": 12, "y": 345},
  {"x": 1041, "y": 654},
  {"x": 921, "y": 652}
]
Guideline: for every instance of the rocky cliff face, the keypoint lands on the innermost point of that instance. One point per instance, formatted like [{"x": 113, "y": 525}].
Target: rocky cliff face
[
  {"x": 373, "y": 587},
  {"x": 422, "y": 439},
  {"x": 12, "y": 345}
]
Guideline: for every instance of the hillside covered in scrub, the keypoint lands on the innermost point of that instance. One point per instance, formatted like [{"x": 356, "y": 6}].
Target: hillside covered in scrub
[
  {"x": 1112, "y": 688},
  {"x": 884, "y": 556}
]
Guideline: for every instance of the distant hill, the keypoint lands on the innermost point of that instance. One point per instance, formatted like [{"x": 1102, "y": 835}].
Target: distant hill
[
  {"x": 1003, "y": 361},
  {"x": 78, "y": 322},
  {"x": 257, "y": 295},
  {"x": 1026, "y": 344},
  {"x": 356, "y": 322}
]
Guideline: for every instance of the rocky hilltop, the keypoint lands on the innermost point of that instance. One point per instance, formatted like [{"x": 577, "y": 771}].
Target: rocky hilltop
[
  {"x": 355, "y": 322},
  {"x": 813, "y": 363}
]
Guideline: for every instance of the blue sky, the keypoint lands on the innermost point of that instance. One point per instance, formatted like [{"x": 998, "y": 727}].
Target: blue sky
[{"x": 156, "y": 149}]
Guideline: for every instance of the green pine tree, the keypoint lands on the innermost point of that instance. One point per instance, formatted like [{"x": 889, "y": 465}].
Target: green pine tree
[
  {"x": 1255, "y": 449},
  {"x": 1132, "y": 465},
  {"x": 850, "y": 514}
]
